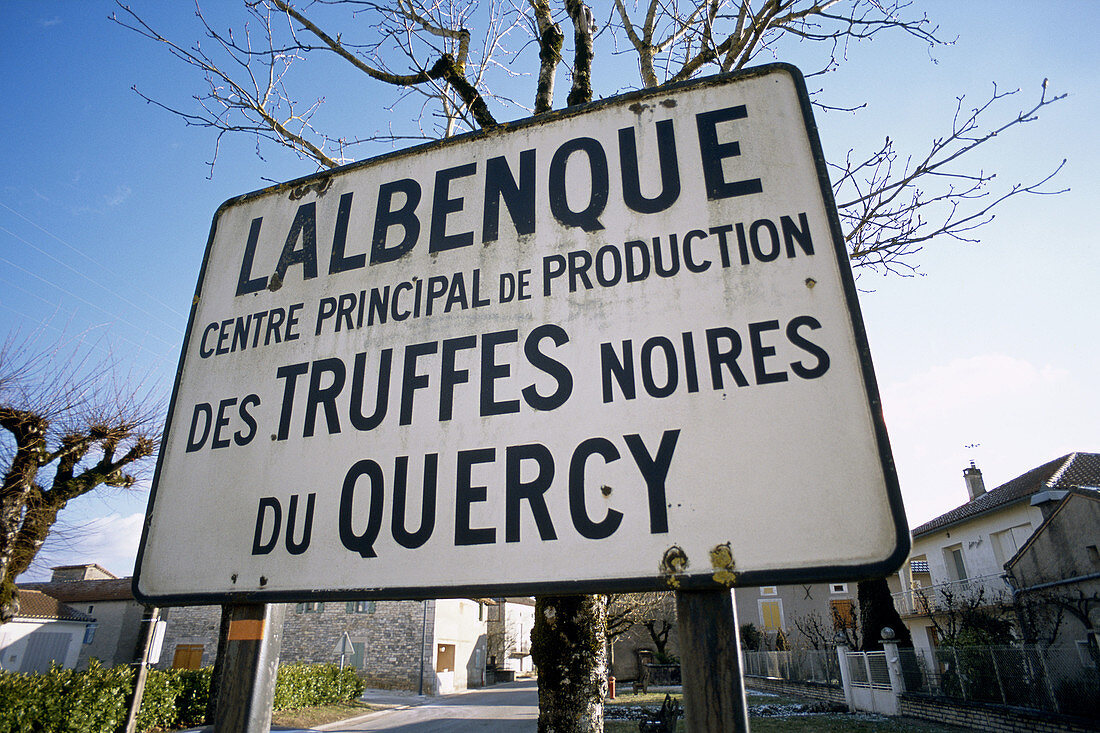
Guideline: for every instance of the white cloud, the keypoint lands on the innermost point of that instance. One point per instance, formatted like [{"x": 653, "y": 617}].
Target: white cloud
[
  {"x": 120, "y": 195},
  {"x": 110, "y": 540},
  {"x": 967, "y": 383}
]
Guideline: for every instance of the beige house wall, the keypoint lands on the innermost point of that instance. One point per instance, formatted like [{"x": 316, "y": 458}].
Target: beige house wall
[{"x": 461, "y": 623}]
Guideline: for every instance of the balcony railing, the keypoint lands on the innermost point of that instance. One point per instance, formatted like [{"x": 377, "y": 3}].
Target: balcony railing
[{"x": 991, "y": 590}]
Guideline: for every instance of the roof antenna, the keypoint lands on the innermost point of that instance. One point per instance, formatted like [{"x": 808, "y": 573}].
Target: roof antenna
[{"x": 971, "y": 447}]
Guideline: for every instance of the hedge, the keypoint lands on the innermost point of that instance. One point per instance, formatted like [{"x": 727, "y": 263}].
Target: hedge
[{"x": 94, "y": 700}]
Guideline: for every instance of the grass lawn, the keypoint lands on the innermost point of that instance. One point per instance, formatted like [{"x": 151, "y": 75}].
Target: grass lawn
[
  {"x": 310, "y": 717},
  {"x": 816, "y": 722},
  {"x": 821, "y": 723}
]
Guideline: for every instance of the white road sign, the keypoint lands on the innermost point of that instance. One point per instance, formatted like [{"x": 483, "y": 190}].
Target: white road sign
[{"x": 587, "y": 351}]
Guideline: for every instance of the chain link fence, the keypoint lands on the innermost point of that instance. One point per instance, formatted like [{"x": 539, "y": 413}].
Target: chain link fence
[
  {"x": 797, "y": 665},
  {"x": 1060, "y": 679}
]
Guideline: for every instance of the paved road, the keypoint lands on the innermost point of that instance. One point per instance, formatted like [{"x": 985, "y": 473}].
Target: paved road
[{"x": 510, "y": 708}]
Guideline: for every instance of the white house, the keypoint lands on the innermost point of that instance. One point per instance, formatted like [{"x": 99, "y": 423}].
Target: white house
[
  {"x": 963, "y": 552},
  {"x": 44, "y": 632},
  {"x": 510, "y": 624}
]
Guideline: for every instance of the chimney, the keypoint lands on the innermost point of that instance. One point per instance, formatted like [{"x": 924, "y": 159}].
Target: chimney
[{"x": 975, "y": 486}]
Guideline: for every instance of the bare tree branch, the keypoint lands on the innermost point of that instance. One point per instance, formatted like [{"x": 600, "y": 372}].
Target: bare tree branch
[
  {"x": 889, "y": 214},
  {"x": 550, "y": 40}
]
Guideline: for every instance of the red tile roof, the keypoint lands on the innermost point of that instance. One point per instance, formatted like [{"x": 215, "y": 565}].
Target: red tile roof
[{"x": 37, "y": 605}]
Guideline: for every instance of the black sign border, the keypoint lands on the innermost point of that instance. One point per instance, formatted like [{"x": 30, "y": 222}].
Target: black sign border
[{"x": 658, "y": 581}]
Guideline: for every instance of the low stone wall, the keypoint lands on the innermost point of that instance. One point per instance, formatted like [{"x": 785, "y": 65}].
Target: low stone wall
[
  {"x": 812, "y": 690},
  {"x": 987, "y": 717}
]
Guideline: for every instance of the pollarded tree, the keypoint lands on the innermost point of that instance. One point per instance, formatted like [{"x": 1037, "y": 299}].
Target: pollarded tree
[
  {"x": 68, "y": 429},
  {"x": 451, "y": 66}
]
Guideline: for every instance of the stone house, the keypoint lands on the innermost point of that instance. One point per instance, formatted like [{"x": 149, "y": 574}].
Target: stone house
[
  {"x": 434, "y": 646},
  {"x": 44, "y": 632}
]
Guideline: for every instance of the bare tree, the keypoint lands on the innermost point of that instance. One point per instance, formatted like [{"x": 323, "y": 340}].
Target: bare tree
[
  {"x": 70, "y": 427},
  {"x": 446, "y": 78},
  {"x": 654, "y": 611},
  {"x": 627, "y": 610},
  {"x": 1041, "y": 616},
  {"x": 1083, "y": 607},
  {"x": 968, "y": 617},
  {"x": 822, "y": 633}
]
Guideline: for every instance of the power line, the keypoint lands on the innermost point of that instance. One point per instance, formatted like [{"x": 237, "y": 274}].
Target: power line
[
  {"x": 86, "y": 302},
  {"x": 90, "y": 259},
  {"x": 44, "y": 323},
  {"x": 69, "y": 267}
]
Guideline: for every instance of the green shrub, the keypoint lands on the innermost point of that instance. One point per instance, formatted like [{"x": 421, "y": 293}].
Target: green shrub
[
  {"x": 194, "y": 694},
  {"x": 64, "y": 700},
  {"x": 158, "y": 702},
  {"x": 94, "y": 700},
  {"x": 307, "y": 685}
]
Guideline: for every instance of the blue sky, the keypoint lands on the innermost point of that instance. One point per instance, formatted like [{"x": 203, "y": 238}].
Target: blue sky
[{"x": 106, "y": 204}]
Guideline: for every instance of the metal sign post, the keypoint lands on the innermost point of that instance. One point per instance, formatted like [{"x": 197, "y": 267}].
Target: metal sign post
[
  {"x": 714, "y": 687},
  {"x": 344, "y": 647},
  {"x": 246, "y": 684},
  {"x": 143, "y": 658}
]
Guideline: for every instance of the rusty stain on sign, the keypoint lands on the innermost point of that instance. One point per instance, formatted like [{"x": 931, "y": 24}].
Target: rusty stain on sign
[
  {"x": 721, "y": 559},
  {"x": 674, "y": 562}
]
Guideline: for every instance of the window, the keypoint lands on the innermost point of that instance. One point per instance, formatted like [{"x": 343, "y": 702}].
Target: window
[
  {"x": 953, "y": 559},
  {"x": 769, "y": 590},
  {"x": 838, "y": 587},
  {"x": 314, "y": 607},
  {"x": 360, "y": 607},
  {"x": 187, "y": 656},
  {"x": 771, "y": 615},
  {"x": 844, "y": 614},
  {"x": 1007, "y": 543},
  {"x": 89, "y": 632}
]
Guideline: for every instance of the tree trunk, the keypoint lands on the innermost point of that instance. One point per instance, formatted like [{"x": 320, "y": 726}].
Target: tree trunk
[
  {"x": 876, "y": 612},
  {"x": 568, "y": 647}
]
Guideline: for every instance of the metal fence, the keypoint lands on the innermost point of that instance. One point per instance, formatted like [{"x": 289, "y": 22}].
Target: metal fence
[
  {"x": 937, "y": 597},
  {"x": 868, "y": 669},
  {"x": 797, "y": 665},
  {"x": 1060, "y": 679}
]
